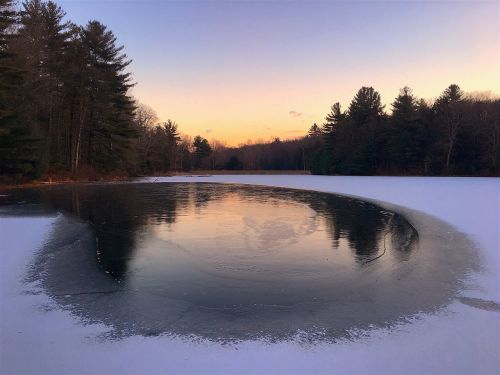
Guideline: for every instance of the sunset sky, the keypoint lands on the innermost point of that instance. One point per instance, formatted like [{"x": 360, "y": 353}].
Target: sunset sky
[{"x": 235, "y": 71}]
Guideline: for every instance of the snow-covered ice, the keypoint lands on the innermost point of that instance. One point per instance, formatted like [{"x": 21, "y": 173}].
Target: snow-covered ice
[{"x": 37, "y": 337}]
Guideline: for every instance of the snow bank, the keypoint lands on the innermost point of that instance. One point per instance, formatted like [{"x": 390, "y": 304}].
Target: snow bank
[{"x": 37, "y": 337}]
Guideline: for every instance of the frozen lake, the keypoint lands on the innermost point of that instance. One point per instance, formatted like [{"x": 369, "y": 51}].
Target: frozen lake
[
  {"x": 143, "y": 265},
  {"x": 234, "y": 262}
]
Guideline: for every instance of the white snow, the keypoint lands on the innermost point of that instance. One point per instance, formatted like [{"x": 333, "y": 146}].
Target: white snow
[{"x": 37, "y": 337}]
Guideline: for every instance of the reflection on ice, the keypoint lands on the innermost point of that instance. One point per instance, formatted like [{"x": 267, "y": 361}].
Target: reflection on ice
[{"x": 232, "y": 262}]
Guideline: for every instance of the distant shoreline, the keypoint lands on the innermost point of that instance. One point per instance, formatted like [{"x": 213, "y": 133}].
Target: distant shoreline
[
  {"x": 69, "y": 180},
  {"x": 66, "y": 180}
]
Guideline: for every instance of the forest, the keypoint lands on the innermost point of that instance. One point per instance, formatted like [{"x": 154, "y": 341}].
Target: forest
[{"x": 66, "y": 109}]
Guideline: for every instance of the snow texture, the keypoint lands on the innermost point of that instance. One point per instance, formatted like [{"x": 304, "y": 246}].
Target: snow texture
[{"x": 38, "y": 337}]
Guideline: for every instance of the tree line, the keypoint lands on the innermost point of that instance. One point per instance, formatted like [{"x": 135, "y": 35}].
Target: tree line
[
  {"x": 65, "y": 103},
  {"x": 65, "y": 107},
  {"x": 455, "y": 134}
]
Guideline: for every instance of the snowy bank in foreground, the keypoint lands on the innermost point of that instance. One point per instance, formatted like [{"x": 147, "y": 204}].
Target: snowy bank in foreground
[{"x": 36, "y": 337}]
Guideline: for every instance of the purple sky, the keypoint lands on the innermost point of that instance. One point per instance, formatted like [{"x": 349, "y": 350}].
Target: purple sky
[{"x": 247, "y": 70}]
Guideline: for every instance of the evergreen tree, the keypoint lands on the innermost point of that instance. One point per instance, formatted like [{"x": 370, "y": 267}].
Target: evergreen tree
[
  {"x": 449, "y": 114},
  {"x": 366, "y": 106},
  {"x": 406, "y": 133},
  {"x": 324, "y": 160},
  {"x": 201, "y": 149},
  {"x": 333, "y": 119},
  {"x": 365, "y": 114},
  {"x": 172, "y": 137},
  {"x": 39, "y": 49},
  {"x": 164, "y": 147},
  {"x": 314, "y": 131},
  {"x": 16, "y": 142},
  {"x": 110, "y": 113}
]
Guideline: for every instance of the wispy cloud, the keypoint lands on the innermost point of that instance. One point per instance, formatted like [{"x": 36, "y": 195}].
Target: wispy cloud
[
  {"x": 295, "y": 113},
  {"x": 208, "y": 131}
]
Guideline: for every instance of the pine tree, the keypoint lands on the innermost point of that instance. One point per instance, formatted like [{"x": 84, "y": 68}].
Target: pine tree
[
  {"x": 449, "y": 114},
  {"x": 109, "y": 113},
  {"x": 172, "y": 138},
  {"x": 362, "y": 152},
  {"x": 201, "y": 149},
  {"x": 314, "y": 131},
  {"x": 333, "y": 122},
  {"x": 40, "y": 48},
  {"x": 333, "y": 119},
  {"x": 404, "y": 106},
  {"x": 365, "y": 107},
  {"x": 405, "y": 140},
  {"x": 16, "y": 143}
]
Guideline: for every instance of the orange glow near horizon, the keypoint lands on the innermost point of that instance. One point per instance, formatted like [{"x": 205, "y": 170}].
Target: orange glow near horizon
[
  {"x": 235, "y": 71},
  {"x": 286, "y": 110}
]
